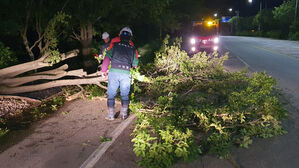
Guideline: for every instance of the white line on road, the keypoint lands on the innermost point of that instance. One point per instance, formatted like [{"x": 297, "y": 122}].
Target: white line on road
[
  {"x": 247, "y": 65},
  {"x": 100, "y": 151}
]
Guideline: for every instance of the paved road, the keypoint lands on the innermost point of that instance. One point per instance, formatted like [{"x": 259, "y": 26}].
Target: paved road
[{"x": 280, "y": 59}]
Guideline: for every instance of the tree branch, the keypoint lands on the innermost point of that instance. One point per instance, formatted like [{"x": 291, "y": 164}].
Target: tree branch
[
  {"x": 36, "y": 42},
  {"x": 21, "y": 68},
  {"x": 102, "y": 86},
  {"x": 53, "y": 71},
  {"x": 24, "y": 36},
  {"x": 56, "y": 75},
  {"x": 23, "y": 89},
  {"x": 75, "y": 36}
]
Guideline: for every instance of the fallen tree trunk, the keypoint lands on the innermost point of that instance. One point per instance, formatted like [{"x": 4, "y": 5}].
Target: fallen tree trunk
[
  {"x": 58, "y": 74},
  {"x": 23, "y": 89},
  {"x": 10, "y": 84},
  {"x": 25, "y": 67}
]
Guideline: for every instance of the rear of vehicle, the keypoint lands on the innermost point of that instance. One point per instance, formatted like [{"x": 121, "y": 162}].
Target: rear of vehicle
[{"x": 204, "y": 37}]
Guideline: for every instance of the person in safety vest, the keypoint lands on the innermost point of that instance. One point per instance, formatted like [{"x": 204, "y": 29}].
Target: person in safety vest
[
  {"x": 123, "y": 56},
  {"x": 105, "y": 46}
]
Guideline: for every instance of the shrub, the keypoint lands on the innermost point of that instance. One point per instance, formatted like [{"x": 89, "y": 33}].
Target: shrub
[
  {"x": 147, "y": 51},
  {"x": 244, "y": 33},
  {"x": 94, "y": 91},
  {"x": 295, "y": 36},
  {"x": 259, "y": 34},
  {"x": 7, "y": 57},
  {"x": 3, "y": 132},
  {"x": 276, "y": 34}
]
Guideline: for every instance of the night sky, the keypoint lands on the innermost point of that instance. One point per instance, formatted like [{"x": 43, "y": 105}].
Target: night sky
[{"x": 246, "y": 9}]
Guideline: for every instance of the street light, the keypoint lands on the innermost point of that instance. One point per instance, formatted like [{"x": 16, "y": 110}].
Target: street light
[
  {"x": 230, "y": 9},
  {"x": 261, "y": 3},
  {"x": 215, "y": 14}
]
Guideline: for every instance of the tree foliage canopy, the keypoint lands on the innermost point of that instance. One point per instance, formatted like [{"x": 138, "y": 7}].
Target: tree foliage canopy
[
  {"x": 265, "y": 19},
  {"x": 284, "y": 14}
]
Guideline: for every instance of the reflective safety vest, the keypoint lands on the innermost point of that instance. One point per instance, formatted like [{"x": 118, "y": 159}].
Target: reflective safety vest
[{"x": 122, "y": 56}]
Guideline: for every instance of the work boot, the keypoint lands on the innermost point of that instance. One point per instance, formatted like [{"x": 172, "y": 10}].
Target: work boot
[
  {"x": 124, "y": 109},
  {"x": 124, "y": 113},
  {"x": 111, "y": 114}
]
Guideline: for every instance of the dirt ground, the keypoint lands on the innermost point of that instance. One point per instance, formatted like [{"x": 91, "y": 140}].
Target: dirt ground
[{"x": 64, "y": 140}]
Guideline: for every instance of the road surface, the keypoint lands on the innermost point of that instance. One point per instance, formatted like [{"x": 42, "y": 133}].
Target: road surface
[{"x": 280, "y": 59}]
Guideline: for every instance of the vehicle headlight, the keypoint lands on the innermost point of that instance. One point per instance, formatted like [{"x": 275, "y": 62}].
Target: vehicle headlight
[
  {"x": 216, "y": 40},
  {"x": 193, "y": 49},
  {"x": 193, "y": 41}
]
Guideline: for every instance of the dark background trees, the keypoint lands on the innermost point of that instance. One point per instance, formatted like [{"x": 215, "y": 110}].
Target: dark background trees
[
  {"x": 25, "y": 24},
  {"x": 278, "y": 22}
]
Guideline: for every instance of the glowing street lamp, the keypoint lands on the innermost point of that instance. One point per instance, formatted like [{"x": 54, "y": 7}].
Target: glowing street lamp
[
  {"x": 261, "y": 4},
  {"x": 230, "y": 9},
  {"x": 215, "y": 14}
]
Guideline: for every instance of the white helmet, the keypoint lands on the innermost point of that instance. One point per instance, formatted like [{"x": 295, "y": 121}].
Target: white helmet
[
  {"x": 126, "y": 29},
  {"x": 105, "y": 35}
]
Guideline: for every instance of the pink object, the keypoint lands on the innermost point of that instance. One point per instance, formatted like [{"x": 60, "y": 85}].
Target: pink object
[{"x": 105, "y": 64}]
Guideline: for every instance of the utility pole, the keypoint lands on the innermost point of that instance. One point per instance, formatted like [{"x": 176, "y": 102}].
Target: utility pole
[
  {"x": 296, "y": 10},
  {"x": 261, "y": 4},
  {"x": 238, "y": 18}
]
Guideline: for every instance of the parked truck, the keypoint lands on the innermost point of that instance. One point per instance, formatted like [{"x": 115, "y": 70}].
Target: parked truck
[{"x": 204, "y": 36}]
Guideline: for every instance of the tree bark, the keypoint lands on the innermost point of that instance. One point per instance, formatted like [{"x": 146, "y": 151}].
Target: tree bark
[
  {"x": 10, "y": 84},
  {"x": 24, "y": 37},
  {"x": 23, "y": 89},
  {"x": 55, "y": 75},
  {"x": 86, "y": 32},
  {"x": 25, "y": 67}
]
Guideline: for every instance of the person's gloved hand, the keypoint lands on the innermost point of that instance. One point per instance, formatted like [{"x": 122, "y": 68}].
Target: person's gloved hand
[
  {"x": 104, "y": 74},
  {"x": 96, "y": 55}
]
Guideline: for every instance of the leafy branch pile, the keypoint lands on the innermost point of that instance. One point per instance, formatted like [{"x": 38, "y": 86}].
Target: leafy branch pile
[{"x": 194, "y": 107}]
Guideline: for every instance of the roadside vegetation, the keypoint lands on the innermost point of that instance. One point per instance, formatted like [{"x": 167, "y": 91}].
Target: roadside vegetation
[
  {"x": 194, "y": 107},
  {"x": 277, "y": 23}
]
